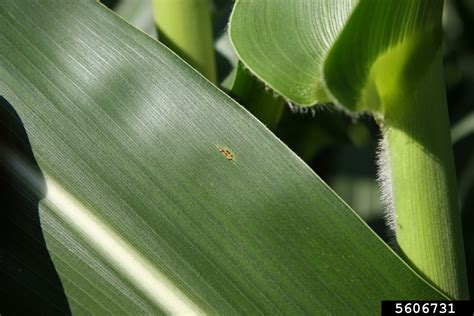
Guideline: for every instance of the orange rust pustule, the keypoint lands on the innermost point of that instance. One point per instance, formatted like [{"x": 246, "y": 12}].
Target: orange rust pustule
[{"x": 227, "y": 153}]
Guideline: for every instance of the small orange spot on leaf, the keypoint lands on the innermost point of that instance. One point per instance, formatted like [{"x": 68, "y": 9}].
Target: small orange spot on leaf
[{"x": 227, "y": 153}]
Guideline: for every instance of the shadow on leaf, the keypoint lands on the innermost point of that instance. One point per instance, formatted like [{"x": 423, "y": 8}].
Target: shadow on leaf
[{"x": 29, "y": 283}]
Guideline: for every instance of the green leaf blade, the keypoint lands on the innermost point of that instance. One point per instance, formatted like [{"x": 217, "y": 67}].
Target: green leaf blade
[
  {"x": 326, "y": 51},
  {"x": 380, "y": 39},
  {"x": 291, "y": 59},
  {"x": 131, "y": 135}
]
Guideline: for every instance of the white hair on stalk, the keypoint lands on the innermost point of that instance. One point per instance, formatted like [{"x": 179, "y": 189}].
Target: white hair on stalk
[
  {"x": 384, "y": 180},
  {"x": 305, "y": 110}
]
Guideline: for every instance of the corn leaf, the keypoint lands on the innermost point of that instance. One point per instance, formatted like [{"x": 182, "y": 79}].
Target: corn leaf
[
  {"x": 329, "y": 51},
  {"x": 132, "y": 185}
]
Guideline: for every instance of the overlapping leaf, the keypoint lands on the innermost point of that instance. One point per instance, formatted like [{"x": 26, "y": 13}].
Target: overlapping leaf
[{"x": 326, "y": 51}]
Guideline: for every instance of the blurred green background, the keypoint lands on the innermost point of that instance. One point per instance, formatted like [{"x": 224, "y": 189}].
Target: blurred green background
[{"x": 342, "y": 149}]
